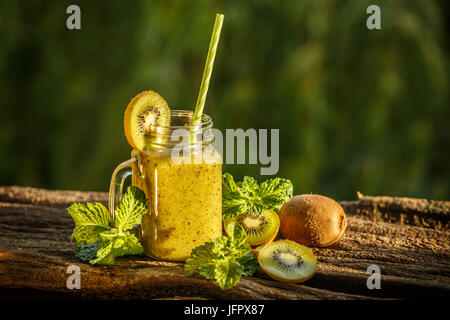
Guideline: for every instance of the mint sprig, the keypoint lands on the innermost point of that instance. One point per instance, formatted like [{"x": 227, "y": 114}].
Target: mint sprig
[
  {"x": 131, "y": 209},
  {"x": 96, "y": 240},
  {"x": 90, "y": 219},
  {"x": 240, "y": 197},
  {"x": 225, "y": 259},
  {"x": 116, "y": 243}
]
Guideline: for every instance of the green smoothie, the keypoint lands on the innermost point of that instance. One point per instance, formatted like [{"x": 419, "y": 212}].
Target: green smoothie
[{"x": 185, "y": 203}]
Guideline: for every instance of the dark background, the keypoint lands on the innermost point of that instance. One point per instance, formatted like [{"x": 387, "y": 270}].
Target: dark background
[{"x": 357, "y": 109}]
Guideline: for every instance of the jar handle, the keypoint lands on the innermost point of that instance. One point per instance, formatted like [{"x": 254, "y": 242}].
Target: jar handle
[{"x": 119, "y": 175}]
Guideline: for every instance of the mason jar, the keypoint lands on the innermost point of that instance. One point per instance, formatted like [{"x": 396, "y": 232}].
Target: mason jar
[{"x": 181, "y": 175}]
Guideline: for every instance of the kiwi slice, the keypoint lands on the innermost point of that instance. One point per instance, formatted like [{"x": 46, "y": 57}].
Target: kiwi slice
[
  {"x": 287, "y": 261},
  {"x": 260, "y": 228},
  {"x": 144, "y": 114}
]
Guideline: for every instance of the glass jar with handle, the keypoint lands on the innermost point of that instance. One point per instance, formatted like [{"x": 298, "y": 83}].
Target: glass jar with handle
[{"x": 181, "y": 175}]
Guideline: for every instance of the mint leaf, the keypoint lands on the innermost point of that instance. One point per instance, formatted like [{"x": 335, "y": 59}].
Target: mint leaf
[
  {"x": 86, "y": 252},
  {"x": 96, "y": 240},
  {"x": 240, "y": 197},
  {"x": 228, "y": 183},
  {"x": 238, "y": 233},
  {"x": 224, "y": 259},
  {"x": 200, "y": 259},
  {"x": 250, "y": 186},
  {"x": 131, "y": 209},
  {"x": 115, "y": 243},
  {"x": 228, "y": 273},
  {"x": 104, "y": 254},
  {"x": 234, "y": 204},
  {"x": 91, "y": 219},
  {"x": 275, "y": 192},
  {"x": 234, "y": 201},
  {"x": 249, "y": 262}
]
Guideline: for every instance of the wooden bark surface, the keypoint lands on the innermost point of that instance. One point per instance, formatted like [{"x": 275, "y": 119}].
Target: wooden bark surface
[{"x": 407, "y": 238}]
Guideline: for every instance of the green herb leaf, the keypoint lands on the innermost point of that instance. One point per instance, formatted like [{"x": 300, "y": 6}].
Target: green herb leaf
[
  {"x": 200, "y": 259},
  {"x": 115, "y": 243},
  {"x": 91, "y": 219},
  {"x": 234, "y": 204},
  {"x": 275, "y": 192},
  {"x": 250, "y": 187},
  {"x": 240, "y": 197},
  {"x": 228, "y": 183},
  {"x": 96, "y": 240},
  {"x": 228, "y": 273},
  {"x": 249, "y": 262},
  {"x": 86, "y": 252},
  {"x": 131, "y": 209},
  {"x": 238, "y": 232},
  {"x": 224, "y": 259}
]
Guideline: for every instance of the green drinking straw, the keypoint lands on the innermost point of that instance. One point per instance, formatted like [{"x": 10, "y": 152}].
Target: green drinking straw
[{"x": 208, "y": 69}]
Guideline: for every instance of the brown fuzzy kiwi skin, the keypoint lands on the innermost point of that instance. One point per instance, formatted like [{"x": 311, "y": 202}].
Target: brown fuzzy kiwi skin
[
  {"x": 127, "y": 116},
  {"x": 312, "y": 220}
]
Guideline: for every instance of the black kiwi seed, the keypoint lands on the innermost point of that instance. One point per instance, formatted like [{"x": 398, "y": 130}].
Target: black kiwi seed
[
  {"x": 143, "y": 126},
  {"x": 287, "y": 261},
  {"x": 260, "y": 228},
  {"x": 145, "y": 111},
  {"x": 287, "y": 266},
  {"x": 257, "y": 229}
]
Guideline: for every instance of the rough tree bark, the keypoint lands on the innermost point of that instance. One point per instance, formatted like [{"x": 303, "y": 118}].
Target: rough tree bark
[{"x": 407, "y": 238}]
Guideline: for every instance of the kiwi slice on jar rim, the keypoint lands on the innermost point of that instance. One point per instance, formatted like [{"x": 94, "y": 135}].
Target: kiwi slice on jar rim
[
  {"x": 260, "y": 228},
  {"x": 144, "y": 116},
  {"x": 287, "y": 261}
]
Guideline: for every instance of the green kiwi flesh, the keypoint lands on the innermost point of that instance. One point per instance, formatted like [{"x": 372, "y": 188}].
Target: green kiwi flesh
[
  {"x": 260, "y": 228},
  {"x": 288, "y": 261},
  {"x": 144, "y": 117}
]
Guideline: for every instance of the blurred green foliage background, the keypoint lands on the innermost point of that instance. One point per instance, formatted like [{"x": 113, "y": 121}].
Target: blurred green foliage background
[{"x": 357, "y": 109}]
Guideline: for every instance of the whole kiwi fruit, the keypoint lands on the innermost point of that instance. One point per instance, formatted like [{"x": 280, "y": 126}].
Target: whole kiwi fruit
[{"x": 312, "y": 220}]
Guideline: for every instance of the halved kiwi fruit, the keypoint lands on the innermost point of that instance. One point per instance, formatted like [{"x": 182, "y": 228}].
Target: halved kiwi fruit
[
  {"x": 287, "y": 261},
  {"x": 260, "y": 228},
  {"x": 144, "y": 114}
]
